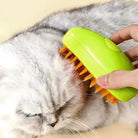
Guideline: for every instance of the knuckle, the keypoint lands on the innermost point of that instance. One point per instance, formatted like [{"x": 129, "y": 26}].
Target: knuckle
[
  {"x": 133, "y": 25},
  {"x": 112, "y": 80},
  {"x": 133, "y": 31}
]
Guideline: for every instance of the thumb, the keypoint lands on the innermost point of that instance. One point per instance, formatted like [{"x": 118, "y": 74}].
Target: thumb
[{"x": 119, "y": 79}]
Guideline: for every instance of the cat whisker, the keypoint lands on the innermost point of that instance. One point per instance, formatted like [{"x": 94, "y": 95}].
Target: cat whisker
[
  {"x": 76, "y": 132},
  {"x": 65, "y": 131},
  {"x": 89, "y": 129},
  {"x": 92, "y": 130},
  {"x": 72, "y": 131},
  {"x": 78, "y": 123}
]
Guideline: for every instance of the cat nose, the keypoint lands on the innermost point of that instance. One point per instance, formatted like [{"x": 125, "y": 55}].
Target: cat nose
[
  {"x": 51, "y": 119},
  {"x": 53, "y": 124}
]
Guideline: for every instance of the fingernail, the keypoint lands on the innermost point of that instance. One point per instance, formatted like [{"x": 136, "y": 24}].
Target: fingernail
[{"x": 102, "y": 81}]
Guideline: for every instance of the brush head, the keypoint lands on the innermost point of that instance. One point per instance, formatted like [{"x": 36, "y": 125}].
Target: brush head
[{"x": 97, "y": 56}]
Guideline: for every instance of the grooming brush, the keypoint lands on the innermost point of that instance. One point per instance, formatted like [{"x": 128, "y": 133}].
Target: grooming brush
[{"x": 98, "y": 56}]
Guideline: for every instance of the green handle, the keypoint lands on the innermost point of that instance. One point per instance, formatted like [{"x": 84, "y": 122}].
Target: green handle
[{"x": 100, "y": 56}]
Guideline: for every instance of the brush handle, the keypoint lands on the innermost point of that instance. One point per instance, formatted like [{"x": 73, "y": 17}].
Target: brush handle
[{"x": 100, "y": 56}]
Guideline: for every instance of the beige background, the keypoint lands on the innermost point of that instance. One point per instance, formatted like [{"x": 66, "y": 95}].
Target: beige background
[{"x": 17, "y": 15}]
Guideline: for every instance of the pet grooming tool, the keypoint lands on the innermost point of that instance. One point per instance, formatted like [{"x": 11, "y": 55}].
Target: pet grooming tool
[{"x": 98, "y": 56}]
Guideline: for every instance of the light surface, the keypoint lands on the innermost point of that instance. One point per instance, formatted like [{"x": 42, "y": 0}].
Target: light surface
[{"x": 17, "y": 15}]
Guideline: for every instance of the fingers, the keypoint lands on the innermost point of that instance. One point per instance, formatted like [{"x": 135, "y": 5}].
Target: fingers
[
  {"x": 130, "y": 32},
  {"x": 132, "y": 54},
  {"x": 136, "y": 65},
  {"x": 122, "y": 78},
  {"x": 119, "y": 79}
]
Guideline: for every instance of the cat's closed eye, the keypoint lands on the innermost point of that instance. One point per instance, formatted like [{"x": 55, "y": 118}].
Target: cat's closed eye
[
  {"x": 21, "y": 113},
  {"x": 32, "y": 115}
]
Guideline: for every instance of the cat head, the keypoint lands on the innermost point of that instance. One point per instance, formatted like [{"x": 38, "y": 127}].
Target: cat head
[{"x": 39, "y": 99}]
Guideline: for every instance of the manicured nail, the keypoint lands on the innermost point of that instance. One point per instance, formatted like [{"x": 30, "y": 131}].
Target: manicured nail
[{"x": 102, "y": 81}]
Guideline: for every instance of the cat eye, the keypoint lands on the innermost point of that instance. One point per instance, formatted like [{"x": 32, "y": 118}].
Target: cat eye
[
  {"x": 32, "y": 115},
  {"x": 28, "y": 114}
]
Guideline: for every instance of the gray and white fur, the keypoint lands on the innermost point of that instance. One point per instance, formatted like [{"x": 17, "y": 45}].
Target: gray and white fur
[{"x": 39, "y": 91}]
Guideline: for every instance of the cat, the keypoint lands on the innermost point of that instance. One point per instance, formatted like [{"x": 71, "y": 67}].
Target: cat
[{"x": 40, "y": 93}]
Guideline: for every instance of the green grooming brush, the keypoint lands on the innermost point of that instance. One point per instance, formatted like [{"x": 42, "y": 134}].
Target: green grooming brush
[{"x": 99, "y": 56}]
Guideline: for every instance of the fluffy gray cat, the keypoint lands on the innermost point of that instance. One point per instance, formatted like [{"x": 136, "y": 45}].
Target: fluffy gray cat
[{"x": 39, "y": 91}]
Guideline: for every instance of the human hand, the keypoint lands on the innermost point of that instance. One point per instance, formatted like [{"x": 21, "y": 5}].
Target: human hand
[{"x": 122, "y": 78}]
